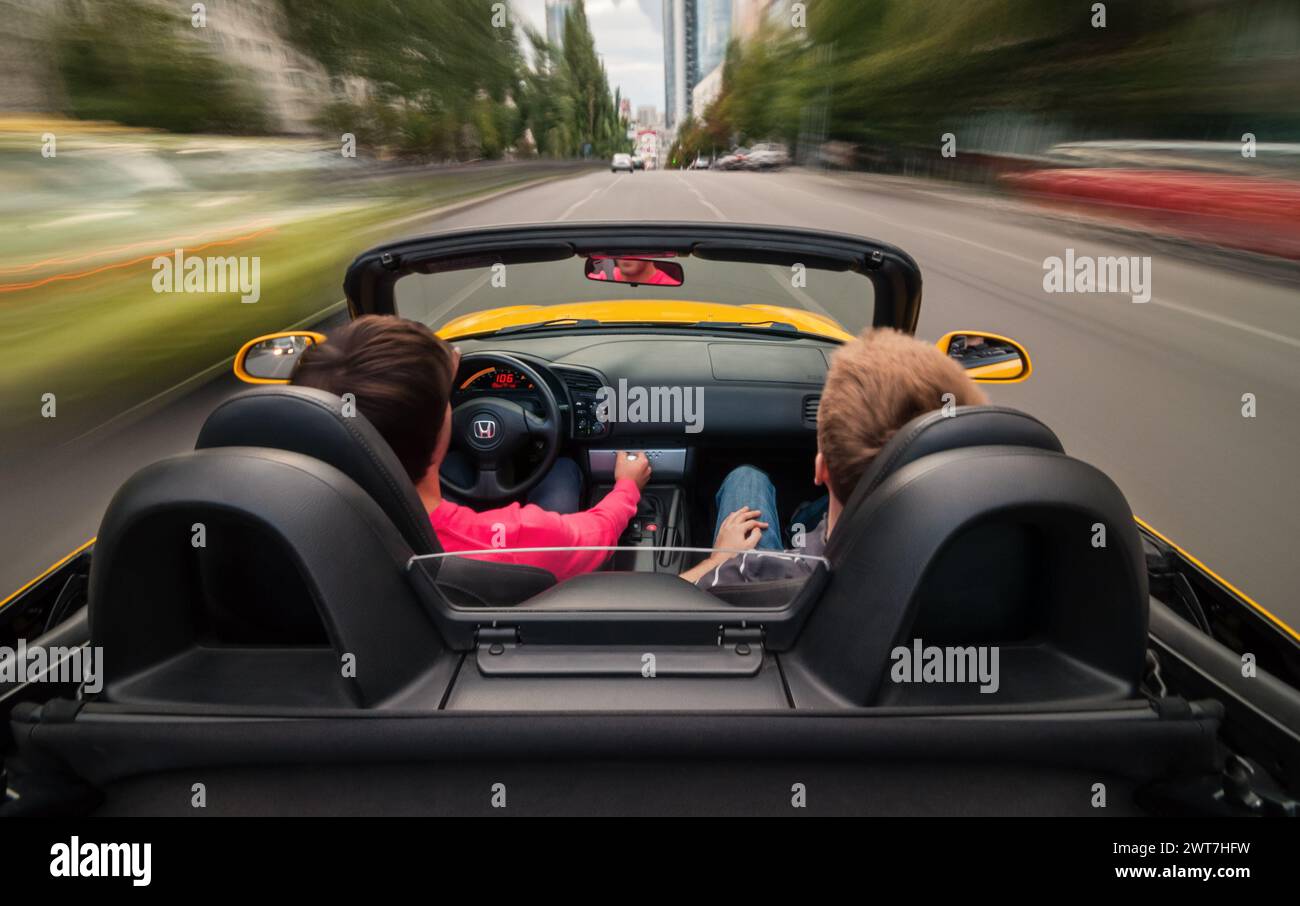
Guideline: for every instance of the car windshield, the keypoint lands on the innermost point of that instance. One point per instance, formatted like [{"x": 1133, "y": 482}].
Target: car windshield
[{"x": 495, "y": 296}]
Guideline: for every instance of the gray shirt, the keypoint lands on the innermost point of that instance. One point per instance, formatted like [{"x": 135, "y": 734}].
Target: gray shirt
[{"x": 760, "y": 566}]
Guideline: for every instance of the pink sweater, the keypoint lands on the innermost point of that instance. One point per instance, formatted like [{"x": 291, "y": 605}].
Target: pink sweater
[{"x": 461, "y": 529}]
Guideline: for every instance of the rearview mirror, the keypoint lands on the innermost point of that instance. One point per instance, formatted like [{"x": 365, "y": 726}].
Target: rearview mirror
[
  {"x": 635, "y": 271},
  {"x": 987, "y": 357},
  {"x": 272, "y": 358}
]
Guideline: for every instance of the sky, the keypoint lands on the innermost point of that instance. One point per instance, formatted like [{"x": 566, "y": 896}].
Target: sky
[{"x": 629, "y": 38}]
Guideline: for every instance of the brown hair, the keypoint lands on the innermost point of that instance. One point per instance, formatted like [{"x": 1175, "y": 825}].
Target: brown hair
[
  {"x": 400, "y": 374},
  {"x": 876, "y": 384}
]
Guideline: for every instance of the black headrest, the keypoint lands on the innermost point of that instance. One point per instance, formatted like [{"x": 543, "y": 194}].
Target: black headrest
[
  {"x": 968, "y": 426},
  {"x": 311, "y": 422}
]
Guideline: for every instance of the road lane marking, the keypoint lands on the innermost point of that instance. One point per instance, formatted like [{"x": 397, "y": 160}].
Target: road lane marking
[
  {"x": 1229, "y": 322},
  {"x": 573, "y": 207},
  {"x": 455, "y": 301},
  {"x": 811, "y": 304},
  {"x": 979, "y": 245},
  {"x": 577, "y": 204},
  {"x": 702, "y": 200},
  {"x": 1183, "y": 309}
]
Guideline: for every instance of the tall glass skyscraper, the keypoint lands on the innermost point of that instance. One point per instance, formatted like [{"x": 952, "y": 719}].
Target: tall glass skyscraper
[
  {"x": 681, "y": 59},
  {"x": 714, "y": 28}
]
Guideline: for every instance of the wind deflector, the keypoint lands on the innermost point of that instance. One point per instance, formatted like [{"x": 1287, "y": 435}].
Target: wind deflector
[{"x": 894, "y": 276}]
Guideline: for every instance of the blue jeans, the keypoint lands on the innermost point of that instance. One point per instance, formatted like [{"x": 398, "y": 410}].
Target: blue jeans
[
  {"x": 559, "y": 492},
  {"x": 748, "y": 486}
]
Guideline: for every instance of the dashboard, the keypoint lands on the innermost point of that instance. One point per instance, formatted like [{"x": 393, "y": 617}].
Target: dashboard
[{"x": 749, "y": 390}]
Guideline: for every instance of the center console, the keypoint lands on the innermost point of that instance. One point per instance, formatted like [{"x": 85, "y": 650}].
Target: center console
[
  {"x": 661, "y": 518},
  {"x": 668, "y": 464}
]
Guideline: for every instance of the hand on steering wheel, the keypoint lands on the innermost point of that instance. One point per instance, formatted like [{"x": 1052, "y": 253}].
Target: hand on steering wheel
[{"x": 491, "y": 430}]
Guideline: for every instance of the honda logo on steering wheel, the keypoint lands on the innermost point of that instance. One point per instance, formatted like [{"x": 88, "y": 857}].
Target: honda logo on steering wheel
[{"x": 485, "y": 429}]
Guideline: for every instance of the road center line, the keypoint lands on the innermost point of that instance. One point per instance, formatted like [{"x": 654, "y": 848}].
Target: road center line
[
  {"x": 708, "y": 204},
  {"x": 577, "y": 204}
]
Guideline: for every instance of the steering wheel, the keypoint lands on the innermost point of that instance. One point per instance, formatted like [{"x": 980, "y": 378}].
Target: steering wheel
[{"x": 491, "y": 430}]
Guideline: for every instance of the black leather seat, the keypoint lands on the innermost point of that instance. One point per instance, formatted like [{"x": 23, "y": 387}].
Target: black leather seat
[
  {"x": 933, "y": 432},
  {"x": 312, "y": 422},
  {"x": 295, "y": 568},
  {"x": 977, "y": 529},
  {"x": 968, "y": 426}
]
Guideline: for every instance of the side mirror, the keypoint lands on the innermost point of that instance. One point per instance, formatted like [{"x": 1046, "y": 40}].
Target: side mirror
[
  {"x": 987, "y": 357},
  {"x": 637, "y": 271},
  {"x": 272, "y": 358}
]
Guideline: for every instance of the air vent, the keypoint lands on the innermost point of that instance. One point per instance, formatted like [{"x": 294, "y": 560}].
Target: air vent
[
  {"x": 810, "y": 406},
  {"x": 580, "y": 381}
]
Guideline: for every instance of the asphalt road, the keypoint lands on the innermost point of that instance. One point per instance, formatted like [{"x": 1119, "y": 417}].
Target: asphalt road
[{"x": 1151, "y": 393}]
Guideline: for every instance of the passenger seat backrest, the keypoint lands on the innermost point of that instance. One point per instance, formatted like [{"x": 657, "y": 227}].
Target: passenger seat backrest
[
  {"x": 967, "y": 426},
  {"x": 976, "y": 529}
]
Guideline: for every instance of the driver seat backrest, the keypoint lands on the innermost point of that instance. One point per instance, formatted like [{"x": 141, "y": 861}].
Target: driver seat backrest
[{"x": 312, "y": 422}]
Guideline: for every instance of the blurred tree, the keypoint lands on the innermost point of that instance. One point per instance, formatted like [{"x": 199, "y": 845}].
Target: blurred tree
[
  {"x": 448, "y": 69},
  {"x": 455, "y": 70},
  {"x": 905, "y": 71},
  {"x": 137, "y": 67},
  {"x": 565, "y": 99}
]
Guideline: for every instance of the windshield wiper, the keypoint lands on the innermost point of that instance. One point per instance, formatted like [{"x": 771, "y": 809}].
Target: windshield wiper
[
  {"x": 779, "y": 326},
  {"x": 580, "y": 323},
  {"x": 543, "y": 325}
]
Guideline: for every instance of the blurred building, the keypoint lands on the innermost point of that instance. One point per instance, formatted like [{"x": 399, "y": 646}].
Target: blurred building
[
  {"x": 556, "y": 10},
  {"x": 748, "y": 15},
  {"x": 647, "y": 116},
  {"x": 247, "y": 35},
  {"x": 29, "y": 82},
  {"x": 681, "y": 66},
  {"x": 713, "y": 31},
  {"x": 704, "y": 93}
]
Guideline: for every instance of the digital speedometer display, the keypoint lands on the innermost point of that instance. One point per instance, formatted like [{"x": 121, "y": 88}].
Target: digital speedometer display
[{"x": 493, "y": 378}]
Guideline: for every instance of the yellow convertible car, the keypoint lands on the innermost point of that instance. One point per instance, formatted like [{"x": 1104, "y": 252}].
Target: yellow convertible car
[{"x": 987, "y": 631}]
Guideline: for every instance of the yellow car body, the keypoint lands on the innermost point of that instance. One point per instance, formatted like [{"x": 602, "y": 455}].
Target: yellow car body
[{"x": 665, "y": 311}]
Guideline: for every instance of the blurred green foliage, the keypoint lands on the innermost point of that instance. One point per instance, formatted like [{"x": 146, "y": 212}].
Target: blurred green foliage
[
  {"x": 905, "y": 71},
  {"x": 136, "y": 67},
  {"x": 447, "y": 78},
  {"x": 442, "y": 79}
]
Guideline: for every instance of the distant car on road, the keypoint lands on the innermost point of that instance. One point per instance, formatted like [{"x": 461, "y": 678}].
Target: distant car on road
[
  {"x": 767, "y": 156},
  {"x": 733, "y": 160},
  {"x": 622, "y": 162},
  {"x": 700, "y": 163},
  {"x": 638, "y": 162}
]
